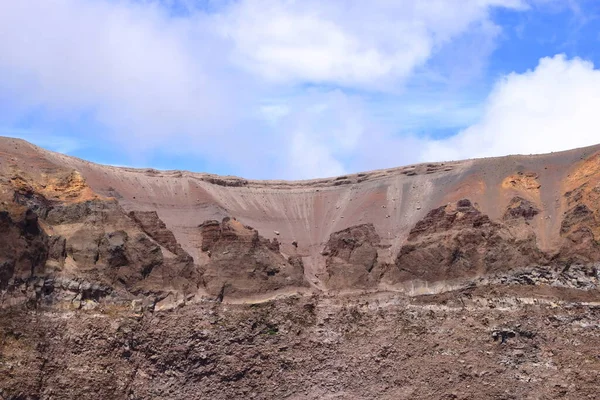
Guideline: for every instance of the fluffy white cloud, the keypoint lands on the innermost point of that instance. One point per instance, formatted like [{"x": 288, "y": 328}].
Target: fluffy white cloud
[
  {"x": 138, "y": 71},
  {"x": 352, "y": 43},
  {"x": 228, "y": 85},
  {"x": 553, "y": 107}
]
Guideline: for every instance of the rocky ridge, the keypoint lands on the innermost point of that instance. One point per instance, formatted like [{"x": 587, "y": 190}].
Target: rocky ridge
[{"x": 150, "y": 284}]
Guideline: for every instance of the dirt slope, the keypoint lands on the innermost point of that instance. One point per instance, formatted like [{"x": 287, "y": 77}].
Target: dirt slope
[{"x": 471, "y": 279}]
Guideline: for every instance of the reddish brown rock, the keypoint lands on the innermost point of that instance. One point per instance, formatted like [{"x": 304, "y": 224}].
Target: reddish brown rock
[
  {"x": 23, "y": 247},
  {"x": 520, "y": 208},
  {"x": 93, "y": 240},
  {"x": 352, "y": 258},
  {"x": 457, "y": 242},
  {"x": 408, "y": 277},
  {"x": 154, "y": 227},
  {"x": 243, "y": 263}
]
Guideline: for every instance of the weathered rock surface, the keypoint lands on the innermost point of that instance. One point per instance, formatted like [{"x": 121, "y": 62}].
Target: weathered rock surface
[
  {"x": 461, "y": 345},
  {"x": 458, "y": 241},
  {"x": 243, "y": 263},
  {"x": 352, "y": 258},
  {"x": 50, "y": 240},
  {"x": 24, "y": 247},
  {"x": 473, "y": 279},
  {"x": 520, "y": 208},
  {"x": 154, "y": 227}
]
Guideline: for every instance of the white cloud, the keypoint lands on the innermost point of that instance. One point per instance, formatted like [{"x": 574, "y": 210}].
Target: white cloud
[
  {"x": 228, "y": 86},
  {"x": 142, "y": 73},
  {"x": 553, "y": 107},
  {"x": 311, "y": 158},
  {"x": 352, "y": 43}
]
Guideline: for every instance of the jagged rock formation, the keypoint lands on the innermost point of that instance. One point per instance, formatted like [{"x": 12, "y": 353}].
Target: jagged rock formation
[
  {"x": 89, "y": 241},
  {"x": 24, "y": 247},
  {"x": 352, "y": 258},
  {"x": 154, "y": 227},
  {"x": 580, "y": 226},
  {"x": 124, "y": 283},
  {"x": 458, "y": 241},
  {"x": 244, "y": 263},
  {"x": 520, "y": 208}
]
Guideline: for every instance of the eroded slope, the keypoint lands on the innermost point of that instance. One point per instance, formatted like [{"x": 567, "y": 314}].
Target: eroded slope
[{"x": 473, "y": 279}]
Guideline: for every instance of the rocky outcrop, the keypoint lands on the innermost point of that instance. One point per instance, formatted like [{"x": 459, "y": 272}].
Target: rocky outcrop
[
  {"x": 520, "y": 208},
  {"x": 244, "y": 263},
  {"x": 73, "y": 238},
  {"x": 580, "y": 226},
  {"x": 351, "y": 258},
  {"x": 108, "y": 246},
  {"x": 99, "y": 299},
  {"x": 154, "y": 227},
  {"x": 24, "y": 247},
  {"x": 458, "y": 241},
  {"x": 470, "y": 344},
  {"x": 581, "y": 277}
]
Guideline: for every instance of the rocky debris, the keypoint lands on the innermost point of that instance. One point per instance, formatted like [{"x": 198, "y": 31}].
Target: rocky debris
[
  {"x": 352, "y": 257},
  {"x": 520, "y": 208},
  {"x": 229, "y": 181},
  {"x": 582, "y": 277},
  {"x": 60, "y": 293},
  {"x": 458, "y": 241},
  {"x": 503, "y": 335},
  {"x": 305, "y": 348},
  {"x": 244, "y": 263}
]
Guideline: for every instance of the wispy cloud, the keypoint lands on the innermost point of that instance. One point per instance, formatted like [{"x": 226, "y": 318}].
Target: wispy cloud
[
  {"x": 354, "y": 43},
  {"x": 262, "y": 88}
]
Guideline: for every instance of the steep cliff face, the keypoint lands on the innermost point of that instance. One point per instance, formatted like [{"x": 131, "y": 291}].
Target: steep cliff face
[
  {"x": 459, "y": 241},
  {"x": 168, "y": 261},
  {"x": 352, "y": 258},
  {"x": 188, "y": 235},
  {"x": 580, "y": 226},
  {"x": 24, "y": 247},
  {"x": 241, "y": 262},
  {"x": 61, "y": 238}
]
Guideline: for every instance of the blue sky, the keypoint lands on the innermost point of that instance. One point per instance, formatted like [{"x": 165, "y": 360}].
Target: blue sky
[{"x": 299, "y": 89}]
